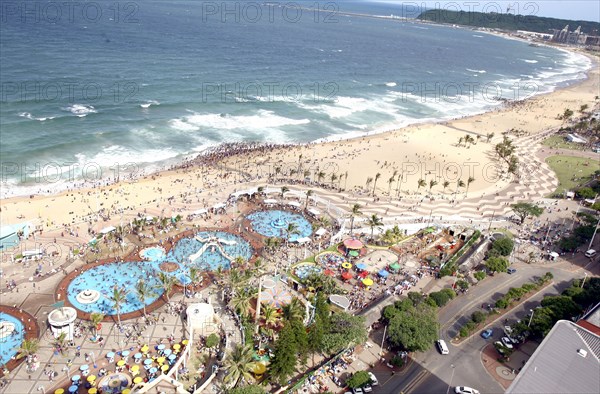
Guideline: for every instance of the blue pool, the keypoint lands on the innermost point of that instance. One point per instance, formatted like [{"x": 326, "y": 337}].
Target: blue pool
[
  {"x": 274, "y": 223},
  {"x": 209, "y": 250},
  {"x": 11, "y": 343}
]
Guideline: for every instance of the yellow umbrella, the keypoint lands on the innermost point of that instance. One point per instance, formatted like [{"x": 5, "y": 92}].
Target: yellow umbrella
[
  {"x": 135, "y": 368},
  {"x": 185, "y": 342},
  {"x": 367, "y": 281},
  {"x": 160, "y": 360},
  {"x": 91, "y": 378},
  {"x": 120, "y": 363},
  {"x": 59, "y": 391},
  {"x": 93, "y": 390},
  {"x": 144, "y": 348},
  {"x": 177, "y": 346},
  {"x": 126, "y": 391},
  {"x": 259, "y": 368},
  {"x": 164, "y": 367},
  {"x": 137, "y": 379},
  {"x": 346, "y": 265}
]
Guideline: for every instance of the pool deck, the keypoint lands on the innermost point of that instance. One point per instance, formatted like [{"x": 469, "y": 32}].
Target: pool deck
[{"x": 32, "y": 330}]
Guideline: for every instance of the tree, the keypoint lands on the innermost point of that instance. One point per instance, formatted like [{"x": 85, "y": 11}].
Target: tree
[
  {"x": 567, "y": 114},
  {"x": 239, "y": 364},
  {"x": 166, "y": 282},
  {"x": 377, "y": 176},
  {"x": 459, "y": 184},
  {"x": 421, "y": 183},
  {"x": 414, "y": 329},
  {"x": 374, "y": 221},
  {"x": 504, "y": 246},
  {"x": 469, "y": 181},
  {"x": 489, "y": 136},
  {"x": 586, "y": 192},
  {"x": 479, "y": 275},
  {"x": 283, "y": 364},
  {"x": 212, "y": 340},
  {"x": 523, "y": 210},
  {"x": 28, "y": 347},
  {"x": 441, "y": 298},
  {"x": 432, "y": 183},
  {"x": 344, "y": 330},
  {"x": 478, "y": 317},
  {"x": 583, "y": 108},
  {"x": 144, "y": 291},
  {"x": 308, "y": 194},
  {"x": 252, "y": 389},
  {"x": 241, "y": 300},
  {"x": 562, "y": 306},
  {"x": 291, "y": 230},
  {"x": 497, "y": 264},
  {"x": 354, "y": 213},
  {"x": 118, "y": 297},
  {"x": 96, "y": 318},
  {"x": 270, "y": 315},
  {"x": 445, "y": 184},
  {"x": 284, "y": 189},
  {"x": 359, "y": 379},
  {"x": 294, "y": 310}
]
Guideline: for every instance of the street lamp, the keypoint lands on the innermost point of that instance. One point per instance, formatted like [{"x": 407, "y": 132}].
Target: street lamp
[
  {"x": 451, "y": 378},
  {"x": 530, "y": 318},
  {"x": 584, "y": 278}
]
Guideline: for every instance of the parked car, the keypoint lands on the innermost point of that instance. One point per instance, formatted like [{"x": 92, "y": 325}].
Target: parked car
[
  {"x": 367, "y": 388},
  {"x": 590, "y": 253},
  {"x": 374, "y": 380},
  {"x": 507, "y": 343},
  {"x": 487, "y": 333},
  {"x": 465, "y": 390},
  {"x": 508, "y": 330},
  {"x": 442, "y": 347},
  {"x": 357, "y": 390},
  {"x": 511, "y": 270},
  {"x": 500, "y": 347}
]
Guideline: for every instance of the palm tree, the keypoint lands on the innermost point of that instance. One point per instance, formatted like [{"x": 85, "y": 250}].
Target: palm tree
[
  {"x": 28, "y": 347},
  {"x": 320, "y": 176},
  {"x": 377, "y": 176},
  {"x": 459, "y": 184},
  {"x": 469, "y": 181},
  {"x": 432, "y": 183},
  {"x": 294, "y": 311},
  {"x": 284, "y": 189},
  {"x": 258, "y": 267},
  {"x": 270, "y": 315},
  {"x": 241, "y": 300},
  {"x": 460, "y": 141},
  {"x": 368, "y": 182},
  {"x": 96, "y": 318},
  {"x": 166, "y": 282},
  {"x": 308, "y": 194},
  {"x": 239, "y": 364},
  {"x": 144, "y": 291},
  {"x": 299, "y": 162},
  {"x": 374, "y": 221},
  {"x": 421, "y": 183},
  {"x": 195, "y": 276},
  {"x": 333, "y": 178},
  {"x": 489, "y": 136},
  {"x": 272, "y": 243},
  {"x": 290, "y": 230},
  {"x": 390, "y": 181},
  {"x": 445, "y": 185},
  {"x": 306, "y": 173},
  {"x": 60, "y": 342},
  {"x": 239, "y": 262},
  {"x": 324, "y": 221},
  {"x": 345, "y": 179},
  {"x": 353, "y": 213},
  {"x": 118, "y": 297}
]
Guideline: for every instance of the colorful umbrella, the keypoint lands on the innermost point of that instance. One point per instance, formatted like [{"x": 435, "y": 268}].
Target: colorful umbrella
[
  {"x": 361, "y": 266},
  {"x": 363, "y": 274},
  {"x": 353, "y": 244},
  {"x": 346, "y": 275},
  {"x": 346, "y": 265},
  {"x": 395, "y": 267},
  {"x": 367, "y": 282},
  {"x": 329, "y": 272},
  {"x": 383, "y": 273},
  {"x": 353, "y": 253}
]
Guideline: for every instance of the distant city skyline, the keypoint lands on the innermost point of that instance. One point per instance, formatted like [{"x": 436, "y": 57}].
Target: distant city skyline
[{"x": 588, "y": 10}]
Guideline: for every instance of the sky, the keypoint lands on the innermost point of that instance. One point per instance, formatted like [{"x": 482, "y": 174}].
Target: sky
[{"x": 588, "y": 10}]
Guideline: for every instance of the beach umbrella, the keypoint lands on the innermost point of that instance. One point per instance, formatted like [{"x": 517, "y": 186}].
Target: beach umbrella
[
  {"x": 383, "y": 273},
  {"x": 395, "y": 267},
  {"x": 91, "y": 378},
  {"x": 135, "y": 368},
  {"x": 277, "y": 297},
  {"x": 161, "y": 347},
  {"x": 59, "y": 391},
  {"x": 164, "y": 368},
  {"x": 73, "y": 389},
  {"x": 148, "y": 361},
  {"x": 84, "y": 367},
  {"x": 346, "y": 265},
  {"x": 353, "y": 244},
  {"x": 75, "y": 378},
  {"x": 120, "y": 363},
  {"x": 145, "y": 349},
  {"x": 329, "y": 272},
  {"x": 160, "y": 360},
  {"x": 126, "y": 391},
  {"x": 259, "y": 368},
  {"x": 167, "y": 352},
  {"x": 138, "y": 380},
  {"x": 361, "y": 266},
  {"x": 92, "y": 390},
  {"x": 346, "y": 275},
  {"x": 363, "y": 274},
  {"x": 367, "y": 282},
  {"x": 353, "y": 253},
  {"x": 153, "y": 370},
  {"x": 185, "y": 342}
]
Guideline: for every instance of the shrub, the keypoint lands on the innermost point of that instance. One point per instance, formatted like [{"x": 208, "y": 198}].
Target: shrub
[
  {"x": 440, "y": 299},
  {"x": 397, "y": 361},
  {"x": 463, "y": 284},
  {"x": 501, "y": 303},
  {"x": 359, "y": 379},
  {"x": 503, "y": 246},
  {"x": 212, "y": 340},
  {"x": 478, "y": 317},
  {"x": 470, "y": 326},
  {"x": 449, "y": 292},
  {"x": 528, "y": 287},
  {"x": 464, "y": 332}
]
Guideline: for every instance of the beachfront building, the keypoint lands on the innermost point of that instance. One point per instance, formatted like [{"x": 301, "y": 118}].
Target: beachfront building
[
  {"x": 576, "y": 37},
  {"x": 62, "y": 321},
  {"x": 11, "y": 235}
]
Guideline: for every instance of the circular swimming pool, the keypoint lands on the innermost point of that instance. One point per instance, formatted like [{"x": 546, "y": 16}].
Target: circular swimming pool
[
  {"x": 12, "y": 335},
  {"x": 273, "y": 223}
]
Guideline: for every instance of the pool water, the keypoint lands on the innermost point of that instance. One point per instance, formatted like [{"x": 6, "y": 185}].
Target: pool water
[
  {"x": 10, "y": 344},
  {"x": 127, "y": 274},
  {"x": 153, "y": 253},
  {"x": 273, "y": 223},
  {"x": 303, "y": 271}
]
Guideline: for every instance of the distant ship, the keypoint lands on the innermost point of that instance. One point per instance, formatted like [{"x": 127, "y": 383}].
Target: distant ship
[{"x": 533, "y": 44}]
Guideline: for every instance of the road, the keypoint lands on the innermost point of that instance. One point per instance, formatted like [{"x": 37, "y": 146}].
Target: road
[{"x": 431, "y": 372}]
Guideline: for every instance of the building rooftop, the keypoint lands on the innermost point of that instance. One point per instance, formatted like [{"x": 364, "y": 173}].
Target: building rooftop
[{"x": 567, "y": 361}]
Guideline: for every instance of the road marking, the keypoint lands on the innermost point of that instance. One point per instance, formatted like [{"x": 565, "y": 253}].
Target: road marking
[{"x": 416, "y": 381}]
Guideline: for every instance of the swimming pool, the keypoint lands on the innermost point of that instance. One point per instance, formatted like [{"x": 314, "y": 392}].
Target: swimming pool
[
  {"x": 153, "y": 253},
  {"x": 11, "y": 343},
  {"x": 212, "y": 249},
  {"x": 273, "y": 223},
  {"x": 304, "y": 270}
]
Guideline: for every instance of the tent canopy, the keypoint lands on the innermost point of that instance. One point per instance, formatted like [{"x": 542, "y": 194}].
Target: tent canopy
[
  {"x": 353, "y": 244},
  {"x": 361, "y": 266},
  {"x": 346, "y": 275},
  {"x": 107, "y": 230},
  {"x": 383, "y": 273},
  {"x": 270, "y": 201},
  {"x": 321, "y": 231},
  {"x": 303, "y": 240},
  {"x": 313, "y": 211},
  {"x": 395, "y": 267}
]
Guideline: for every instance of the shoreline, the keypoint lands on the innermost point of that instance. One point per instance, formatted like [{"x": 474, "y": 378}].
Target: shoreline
[
  {"x": 195, "y": 183},
  {"x": 143, "y": 170}
]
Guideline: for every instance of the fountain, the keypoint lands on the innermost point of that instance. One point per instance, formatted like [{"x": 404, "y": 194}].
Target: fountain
[
  {"x": 88, "y": 296},
  {"x": 279, "y": 222}
]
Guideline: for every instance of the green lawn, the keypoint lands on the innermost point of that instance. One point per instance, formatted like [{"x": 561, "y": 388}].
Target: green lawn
[
  {"x": 559, "y": 141},
  {"x": 571, "y": 171}
]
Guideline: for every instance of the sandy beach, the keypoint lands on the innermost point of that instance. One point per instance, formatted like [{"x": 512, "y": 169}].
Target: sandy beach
[{"x": 426, "y": 151}]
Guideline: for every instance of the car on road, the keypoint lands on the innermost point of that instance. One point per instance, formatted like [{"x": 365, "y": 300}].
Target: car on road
[
  {"x": 511, "y": 270},
  {"x": 487, "y": 333},
  {"x": 374, "y": 380},
  {"x": 590, "y": 253},
  {"x": 465, "y": 390},
  {"x": 507, "y": 342}
]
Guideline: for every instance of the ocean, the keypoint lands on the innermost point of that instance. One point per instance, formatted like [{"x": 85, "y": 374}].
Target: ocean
[{"x": 94, "y": 89}]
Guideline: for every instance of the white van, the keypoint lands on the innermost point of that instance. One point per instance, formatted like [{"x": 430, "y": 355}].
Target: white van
[
  {"x": 590, "y": 253},
  {"x": 442, "y": 347}
]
